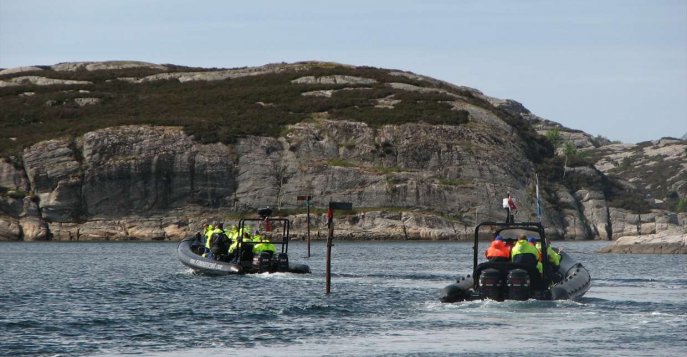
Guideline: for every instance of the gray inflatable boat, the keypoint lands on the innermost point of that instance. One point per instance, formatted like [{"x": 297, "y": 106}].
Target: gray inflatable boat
[
  {"x": 507, "y": 280},
  {"x": 193, "y": 254}
]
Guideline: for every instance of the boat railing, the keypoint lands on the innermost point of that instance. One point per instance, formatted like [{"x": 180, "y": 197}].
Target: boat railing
[{"x": 272, "y": 230}]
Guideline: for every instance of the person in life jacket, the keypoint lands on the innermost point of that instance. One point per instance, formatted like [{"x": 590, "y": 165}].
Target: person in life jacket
[
  {"x": 525, "y": 253},
  {"x": 498, "y": 250},
  {"x": 217, "y": 242},
  {"x": 262, "y": 246},
  {"x": 209, "y": 230},
  {"x": 233, "y": 232},
  {"x": 554, "y": 261},
  {"x": 533, "y": 242},
  {"x": 207, "y": 234},
  {"x": 198, "y": 244},
  {"x": 235, "y": 243},
  {"x": 241, "y": 245}
]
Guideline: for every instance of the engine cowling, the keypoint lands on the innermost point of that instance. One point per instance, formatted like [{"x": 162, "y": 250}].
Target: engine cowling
[
  {"x": 518, "y": 284},
  {"x": 490, "y": 285}
]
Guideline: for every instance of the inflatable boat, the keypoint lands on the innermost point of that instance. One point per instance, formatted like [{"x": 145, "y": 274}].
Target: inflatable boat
[
  {"x": 507, "y": 280},
  {"x": 192, "y": 251}
]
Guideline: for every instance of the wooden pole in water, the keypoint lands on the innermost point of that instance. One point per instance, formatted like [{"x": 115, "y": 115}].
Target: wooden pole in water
[
  {"x": 347, "y": 206},
  {"x": 328, "y": 273}
]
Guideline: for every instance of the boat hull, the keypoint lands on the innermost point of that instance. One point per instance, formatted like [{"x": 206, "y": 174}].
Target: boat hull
[
  {"x": 576, "y": 280},
  {"x": 208, "y": 266},
  {"x": 575, "y": 283}
]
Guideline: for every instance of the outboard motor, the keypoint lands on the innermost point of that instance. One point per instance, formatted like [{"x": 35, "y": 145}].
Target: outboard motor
[
  {"x": 280, "y": 262},
  {"x": 518, "y": 283},
  {"x": 261, "y": 262},
  {"x": 490, "y": 284}
]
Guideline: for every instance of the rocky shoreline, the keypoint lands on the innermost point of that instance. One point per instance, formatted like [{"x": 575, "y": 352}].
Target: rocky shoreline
[
  {"x": 658, "y": 243},
  {"x": 410, "y": 180}
]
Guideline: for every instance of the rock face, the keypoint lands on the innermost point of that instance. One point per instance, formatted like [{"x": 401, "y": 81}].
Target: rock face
[
  {"x": 20, "y": 70},
  {"x": 38, "y": 81},
  {"x": 673, "y": 241},
  {"x": 89, "y": 184},
  {"x": 107, "y": 65},
  {"x": 144, "y": 182},
  {"x": 408, "y": 181},
  {"x": 396, "y": 166},
  {"x": 113, "y": 173},
  {"x": 655, "y": 166}
]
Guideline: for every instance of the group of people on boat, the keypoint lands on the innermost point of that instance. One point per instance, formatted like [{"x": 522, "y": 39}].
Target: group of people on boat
[
  {"x": 222, "y": 244},
  {"x": 525, "y": 250}
]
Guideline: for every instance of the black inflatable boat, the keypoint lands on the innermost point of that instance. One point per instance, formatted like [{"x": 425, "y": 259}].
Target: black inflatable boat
[
  {"x": 506, "y": 280},
  {"x": 275, "y": 231}
]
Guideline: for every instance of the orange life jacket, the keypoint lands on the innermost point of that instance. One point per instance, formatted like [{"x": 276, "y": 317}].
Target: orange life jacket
[{"x": 498, "y": 249}]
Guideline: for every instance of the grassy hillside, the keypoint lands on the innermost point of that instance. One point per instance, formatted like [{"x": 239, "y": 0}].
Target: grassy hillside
[
  {"x": 256, "y": 104},
  {"x": 212, "y": 111}
]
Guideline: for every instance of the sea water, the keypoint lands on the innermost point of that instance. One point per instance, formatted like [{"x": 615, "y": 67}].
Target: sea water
[{"x": 115, "y": 299}]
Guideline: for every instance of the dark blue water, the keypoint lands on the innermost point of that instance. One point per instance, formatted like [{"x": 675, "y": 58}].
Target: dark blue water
[{"x": 104, "y": 299}]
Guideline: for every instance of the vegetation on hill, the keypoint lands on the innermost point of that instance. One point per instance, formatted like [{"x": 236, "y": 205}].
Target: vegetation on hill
[
  {"x": 260, "y": 104},
  {"x": 212, "y": 111},
  {"x": 560, "y": 169}
]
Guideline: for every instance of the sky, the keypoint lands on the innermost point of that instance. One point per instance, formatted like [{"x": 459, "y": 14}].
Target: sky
[{"x": 613, "y": 68}]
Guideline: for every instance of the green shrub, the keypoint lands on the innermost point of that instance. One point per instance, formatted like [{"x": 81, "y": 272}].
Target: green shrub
[
  {"x": 340, "y": 163},
  {"x": 211, "y": 111},
  {"x": 455, "y": 182},
  {"x": 16, "y": 194},
  {"x": 554, "y": 137},
  {"x": 618, "y": 196}
]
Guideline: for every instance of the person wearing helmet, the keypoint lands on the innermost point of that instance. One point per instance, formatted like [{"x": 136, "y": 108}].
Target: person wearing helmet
[{"x": 498, "y": 250}]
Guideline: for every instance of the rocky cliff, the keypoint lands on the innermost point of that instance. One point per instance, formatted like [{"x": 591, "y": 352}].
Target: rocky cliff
[{"x": 442, "y": 158}]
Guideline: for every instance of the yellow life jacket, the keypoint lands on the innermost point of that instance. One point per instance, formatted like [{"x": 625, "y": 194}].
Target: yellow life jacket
[
  {"x": 524, "y": 247},
  {"x": 553, "y": 257},
  {"x": 208, "y": 234},
  {"x": 263, "y": 246}
]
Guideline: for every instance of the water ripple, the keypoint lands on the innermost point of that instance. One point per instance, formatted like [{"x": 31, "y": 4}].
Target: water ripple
[{"x": 111, "y": 299}]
